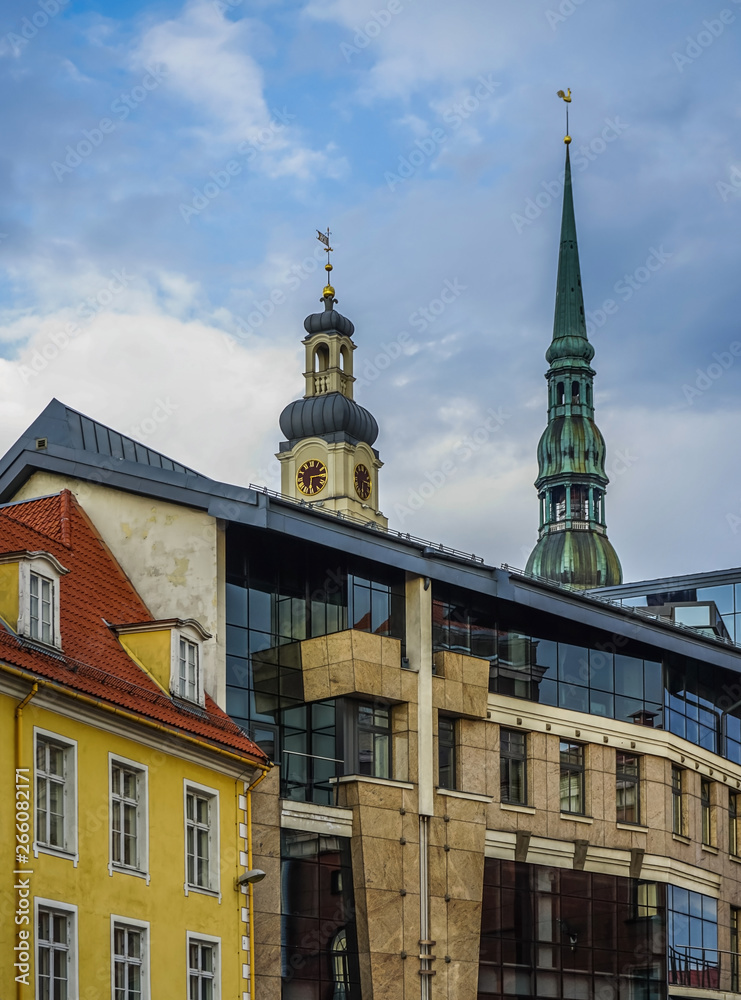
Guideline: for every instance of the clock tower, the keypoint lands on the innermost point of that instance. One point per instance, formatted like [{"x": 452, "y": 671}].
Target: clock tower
[{"x": 328, "y": 458}]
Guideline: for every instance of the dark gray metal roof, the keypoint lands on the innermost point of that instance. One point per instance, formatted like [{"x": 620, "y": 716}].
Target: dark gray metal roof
[
  {"x": 688, "y": 581},
  {"x": 61, "y": 425}
]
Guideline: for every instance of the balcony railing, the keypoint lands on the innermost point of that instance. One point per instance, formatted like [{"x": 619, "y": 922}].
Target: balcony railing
[
  {"x": 309, "y": 777},
  {"x": 697, "y": 967}
]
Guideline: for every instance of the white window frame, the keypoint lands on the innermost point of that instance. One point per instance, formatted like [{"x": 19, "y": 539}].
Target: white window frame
[
  {"x": 214, "y": 841},
  {"x": 129, "y": 923},
  {"x": 70, "y": 848},
  {"x": 141, "y": 869},
  {"x": 188, "y": 634},
  {"x": 192, "y": 938},
  {"x": 47, "y": 567},
  {"x": 70, "y": 911}
]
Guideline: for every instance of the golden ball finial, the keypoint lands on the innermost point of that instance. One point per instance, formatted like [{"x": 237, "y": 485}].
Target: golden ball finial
[
  {"x": 567, "y": 139},
  {"x": 328, "y": 290},
  {"x": 327, "y": 267}
]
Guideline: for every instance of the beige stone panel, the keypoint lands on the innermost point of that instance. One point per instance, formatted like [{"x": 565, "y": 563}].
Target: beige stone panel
[
  {"x": 265, "y": 841},
  {"x": 475, "y": 672},
  {"x": 475, "y": 701},
  {"x": 316, "y": 684},
  {"x": 466, "y": 836},
  {"x": 439, "y": 692},
  {"x": 341, "y": 677},
  {"x": 410, "y": 827},
  {"x": 451, "y": 699},
  {"x": 400, "y": 717},
  {"x": 408, "y": 686},
  {"x": 366, "y": 983},
  {"x": 439, "y": 925},
  {"x": 410, "y": 917},
  {"x": 266, "y": 987},
  {"x": 366, "y": 646},
  {"x": 472, "y": 770},
  {"x": 465, "y": 874},
  {"x": 386, "y": 971},
  {"x": 391, "y": 652},
  {"x": 410, "y": 867},
  {"x": 473, "y": 734},
  {"x": 368, "y": 678},
  {"x": 314, "y": 653},
  {"x": 267, "y": 928},
  {"x": 339, "y": 647},
  {"x": 401, "y": 757},
  {"x": 438, "y": 831},
  {"x": 391, "y": 683},
  {"x": 385, "y": 911},
  {"x": 438, "y": 871},
  {"x": 464, "y": 930},
  {"x": 382, "y": 863},
  {"x": 385, "y": 796},
  {"x": 468, "y": 810},
  {"x": 347, "y": 796},
  {"x": 453, "y": 666},
  {"x": 463, "y": 980},
  {"x": 378, "y": 822}
]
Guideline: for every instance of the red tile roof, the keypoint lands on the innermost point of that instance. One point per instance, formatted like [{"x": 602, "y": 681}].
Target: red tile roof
[{"x": 94, "y": 592}]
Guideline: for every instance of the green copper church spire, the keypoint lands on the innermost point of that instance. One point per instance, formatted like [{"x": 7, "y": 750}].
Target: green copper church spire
[{"x": 573, "y": 547}]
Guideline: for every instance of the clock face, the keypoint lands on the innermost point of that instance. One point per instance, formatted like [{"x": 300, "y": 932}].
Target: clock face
[
  {"x": 311, "y": 478},
  {"x": 362, "y": 482}
]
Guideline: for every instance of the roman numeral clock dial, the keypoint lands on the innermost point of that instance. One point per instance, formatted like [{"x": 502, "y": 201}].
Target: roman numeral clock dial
[{"x": 311, "y": 478}]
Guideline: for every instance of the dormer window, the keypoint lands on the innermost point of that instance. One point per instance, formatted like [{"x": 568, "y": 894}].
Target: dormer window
[
  {"x": 190, "y": 685},
  {"x": 29, "y": 595},
  {"x": 41, "y": 608}
]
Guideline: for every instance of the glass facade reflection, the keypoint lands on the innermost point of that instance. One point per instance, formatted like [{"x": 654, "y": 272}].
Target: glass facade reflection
[
  {"x": 550, "y": 932},
  {"x": 319, "y": 952},
  {"x": 603, "y": 676},
  {"x": 693, "y": 957}
]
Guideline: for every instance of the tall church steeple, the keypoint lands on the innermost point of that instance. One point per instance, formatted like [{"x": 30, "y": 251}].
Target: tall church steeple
[
  {"x": 328, "y": 458},
  {"x": 573, "y": 547}
]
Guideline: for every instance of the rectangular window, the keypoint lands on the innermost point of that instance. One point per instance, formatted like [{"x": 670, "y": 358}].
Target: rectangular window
[
  {"x": 201, "y": 838},
  {"x": 446, "y": 752},
  {"x": 374, "y": 740},
  {"x": 203, "y": 969},
  {"x": 54, "y": 953},
  {"x": 628, "y": 788},
  {"x": 55, "y": 793},
  {"x": 733, "y": 823},
  {"x": 513, "y": 766},
  {"x": 189, "y": 680},
  {"x": 128, "y": 815},
  {"x": 706, "y": 812},
  {"x": 572, "y": 778},
  {"x": 677, "y": 801},
  {"x": 129, "y": 961},
  {"x": 41, "y": 608}
]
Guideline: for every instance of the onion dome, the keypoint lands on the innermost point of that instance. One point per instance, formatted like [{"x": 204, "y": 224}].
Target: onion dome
[
  {"x": 330, "y": 413},
  {"x": 329, "y": 321}
]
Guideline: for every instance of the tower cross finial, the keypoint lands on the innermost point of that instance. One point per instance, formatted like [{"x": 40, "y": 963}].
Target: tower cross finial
[
  {"x": 324, "y": 238},
  {"x": 567, "y": 98}
]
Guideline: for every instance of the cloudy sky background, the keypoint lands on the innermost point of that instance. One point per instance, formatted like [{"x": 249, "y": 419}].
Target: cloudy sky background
[{"x": 428, "y": 135}]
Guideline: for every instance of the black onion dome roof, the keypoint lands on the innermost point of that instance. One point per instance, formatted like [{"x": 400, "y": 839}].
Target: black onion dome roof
[
  {"x": 327, "y": 414},
  {"x": 329, "y": 321}
]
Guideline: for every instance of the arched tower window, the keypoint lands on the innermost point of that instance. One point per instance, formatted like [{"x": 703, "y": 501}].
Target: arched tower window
[
  {"x": 558, "y": 503},
  {"x": 575, "y": 392},
  {"x": 589, "y": 395},
  {"x": 346, "y": 360},
  {"x": 559, "y": 394},
  {"x": 321, "y": 358}
]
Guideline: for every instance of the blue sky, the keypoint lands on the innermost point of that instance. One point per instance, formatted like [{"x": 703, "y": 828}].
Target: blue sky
[{"x": 164, "y": 167}]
